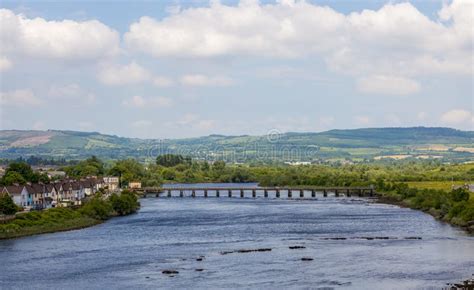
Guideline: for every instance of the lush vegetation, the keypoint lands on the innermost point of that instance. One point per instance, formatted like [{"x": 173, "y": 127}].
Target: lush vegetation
[
  {"x": 7, "y": 206},
  {"x": 408, "y": 182},
  {"x": 455, "y": 206},
  {"x": 21, "y": 173},
  {"x": 360, "y": 145},
  {"x": 92, "y": 212}
]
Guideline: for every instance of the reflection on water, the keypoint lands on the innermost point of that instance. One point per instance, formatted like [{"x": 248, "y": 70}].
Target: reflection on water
[{"x": 353, "y": 244}]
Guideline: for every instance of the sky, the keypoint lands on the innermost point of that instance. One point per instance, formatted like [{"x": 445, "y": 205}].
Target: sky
[{"x": 176, "y": 69}]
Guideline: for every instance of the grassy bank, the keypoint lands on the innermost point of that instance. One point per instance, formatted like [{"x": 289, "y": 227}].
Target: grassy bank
[
  {"x": 94, "y": 212},
  {"x": 455, "y": 207}
]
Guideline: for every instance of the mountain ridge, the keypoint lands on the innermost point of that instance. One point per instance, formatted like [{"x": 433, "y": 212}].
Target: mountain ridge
[{"x": 362, "y": 143}]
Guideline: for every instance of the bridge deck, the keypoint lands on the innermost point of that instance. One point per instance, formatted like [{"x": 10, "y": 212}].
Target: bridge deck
[{"x": 230, "y": 191}]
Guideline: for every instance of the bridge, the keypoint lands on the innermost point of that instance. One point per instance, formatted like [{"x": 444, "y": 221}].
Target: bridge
[{"x": 255, "y": 192}]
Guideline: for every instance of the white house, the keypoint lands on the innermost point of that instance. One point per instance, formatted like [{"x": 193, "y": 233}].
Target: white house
[{"x": 111, "y": 182}]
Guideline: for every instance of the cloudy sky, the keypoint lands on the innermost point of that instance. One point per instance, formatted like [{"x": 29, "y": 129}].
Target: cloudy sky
[{"x": 159, "y": 69}]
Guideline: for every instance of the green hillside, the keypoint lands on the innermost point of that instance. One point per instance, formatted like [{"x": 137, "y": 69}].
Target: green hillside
[{"x": 336, "y": 145}]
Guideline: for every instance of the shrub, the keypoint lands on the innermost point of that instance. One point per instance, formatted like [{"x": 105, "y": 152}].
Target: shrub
[
  {"x": 97, "y": 208},
  {"x": 7, "y": 206},
  {"x": 125, "y": 203}
]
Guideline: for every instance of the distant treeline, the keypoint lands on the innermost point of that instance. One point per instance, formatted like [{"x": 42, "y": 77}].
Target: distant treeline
[
  {"x": 39, "y": 161},
  {"x": 171, "y": 168}
]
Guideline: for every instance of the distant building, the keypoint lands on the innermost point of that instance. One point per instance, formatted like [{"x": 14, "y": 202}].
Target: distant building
[
  {"x": 135, "y": 185},
  {"x": 56, "y": 174},
  {"x": 111, "y": 182},
  {"x": 18, "y": 193},
  {"x": 469, "y": 187},
  {"x": 298, "y": 163}
]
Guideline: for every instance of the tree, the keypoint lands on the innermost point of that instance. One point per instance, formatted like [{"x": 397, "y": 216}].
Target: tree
[
  {"x": 460, "y": 194},
  {"x": 218, "y": 165},
  {"x": 171, "y": 160},
  {"x": 88, "y": 167},
  {"x": 20, "y": 172},
  {"x": 128, "y": 169},
  {"x": 125, "y": 203},
  {"x": 13, "y": 177},
  {"x": 7, "y": 206}
]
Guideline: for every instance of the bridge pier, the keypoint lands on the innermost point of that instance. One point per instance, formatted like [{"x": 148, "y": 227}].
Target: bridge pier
[{"x": 338, "y": 191}]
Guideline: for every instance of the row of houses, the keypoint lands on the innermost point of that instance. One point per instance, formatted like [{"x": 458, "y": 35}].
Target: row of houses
[{"x": 58, "y": 194}]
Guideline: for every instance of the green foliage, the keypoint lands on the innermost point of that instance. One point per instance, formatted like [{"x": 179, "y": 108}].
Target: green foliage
[
  {"x": 128, "y": 169},
  {"x": 20, "y": 172},
  {"x": 7, "y": 206},
  {"x": 13, "y": 177},
  {"x": 97, "y": 208},
  {"x": 170, "y": 160},
  {"x": 125, "y": 203},
  {"x": 92, "y": 166},
  {"x": 58, "y": 219},
  {"x": 459, "y": 194}
]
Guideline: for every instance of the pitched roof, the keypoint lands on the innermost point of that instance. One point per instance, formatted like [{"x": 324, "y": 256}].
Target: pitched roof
[
  {"x": 49, "y": 187},
  {"x": 35, "y": 188},
  {"x": 13, "y": 189}
]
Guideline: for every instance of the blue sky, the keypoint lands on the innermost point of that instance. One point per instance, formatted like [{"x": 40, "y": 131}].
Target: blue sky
[{"x": 174, "y": 69}]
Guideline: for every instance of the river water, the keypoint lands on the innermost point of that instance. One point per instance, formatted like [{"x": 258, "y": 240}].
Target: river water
[{"x": 345, "y": 237}]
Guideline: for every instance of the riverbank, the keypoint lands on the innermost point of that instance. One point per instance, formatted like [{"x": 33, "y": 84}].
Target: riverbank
[
  {"x": 439, "y": 214},
  {"x": 95, "y": 211}
]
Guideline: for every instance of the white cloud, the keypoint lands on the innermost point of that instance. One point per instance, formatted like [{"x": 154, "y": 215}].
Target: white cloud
[
  {"x": 152, "y": 102},
  {"x": 388, "y": 85},
  {"x": 19, "y": 98},
  {"x": 456, "y": 116},
  {"x": 71, "y": 92},
  {"x": 203, "y": 80},
  {"x": 63, "y": 40},
  {"x": 362, "y": 120},
  {"x": 160, "y": 81},
  {"x": 5, "y": 64},
  {"x": 123, "y": 74},
  {"x": 397, "y": 39}
]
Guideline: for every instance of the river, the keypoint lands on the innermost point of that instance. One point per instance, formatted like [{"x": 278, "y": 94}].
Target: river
[{"x": 343, "y": 236}]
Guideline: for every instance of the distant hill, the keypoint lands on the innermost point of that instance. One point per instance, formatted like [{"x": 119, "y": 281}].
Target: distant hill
[{"x": 355, "y": 145}]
